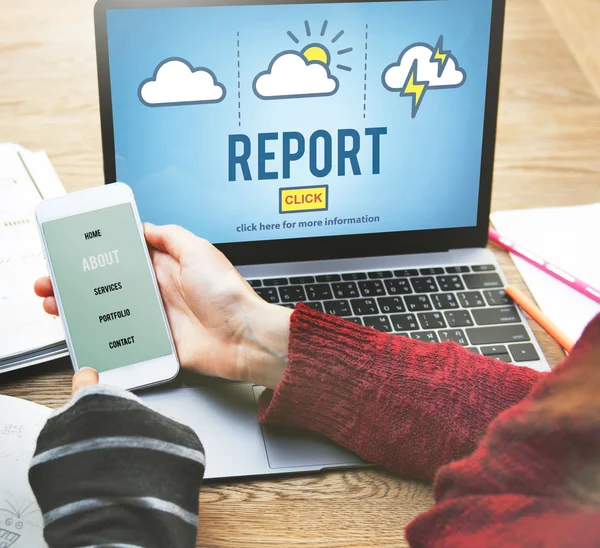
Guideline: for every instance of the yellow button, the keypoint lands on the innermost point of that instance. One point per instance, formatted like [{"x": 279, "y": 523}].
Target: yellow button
[{"x": 305, "y": 198}]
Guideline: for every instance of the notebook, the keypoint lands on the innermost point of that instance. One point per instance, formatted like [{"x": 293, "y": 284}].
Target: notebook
[
  {"x": 21, "y": 523},
  {"x": 567, "y": 237},
  {"x": 27, "y": 334}
]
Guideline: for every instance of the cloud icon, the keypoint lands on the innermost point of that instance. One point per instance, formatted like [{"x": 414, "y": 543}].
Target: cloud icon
[
  {"x": 177, "y": 82},
  {"x": 421, "y": 68},
  {"x": 291, "y": 75},
  {"x": 437, "y": 68}
]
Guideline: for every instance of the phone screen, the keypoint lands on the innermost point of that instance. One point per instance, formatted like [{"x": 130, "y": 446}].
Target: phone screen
[{"x": 112, "y": 311}]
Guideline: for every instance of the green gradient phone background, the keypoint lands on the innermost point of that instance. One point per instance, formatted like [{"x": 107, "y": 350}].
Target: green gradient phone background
[{"x": 91, "y": 338}]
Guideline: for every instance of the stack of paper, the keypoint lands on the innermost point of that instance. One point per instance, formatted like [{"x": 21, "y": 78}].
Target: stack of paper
[
  {"x": 27, "y": 334},
  {"x": 568, "y": 238}
]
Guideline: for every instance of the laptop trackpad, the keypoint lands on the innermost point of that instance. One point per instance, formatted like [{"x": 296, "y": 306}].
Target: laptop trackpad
[{"x": 293, "y": 448}]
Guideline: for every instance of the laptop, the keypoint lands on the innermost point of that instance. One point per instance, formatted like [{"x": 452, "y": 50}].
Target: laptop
[{"x": 338, "y": 153}]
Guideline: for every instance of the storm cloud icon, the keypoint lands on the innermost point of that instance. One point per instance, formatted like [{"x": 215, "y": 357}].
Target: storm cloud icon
[{"x": 421, "y": 68}]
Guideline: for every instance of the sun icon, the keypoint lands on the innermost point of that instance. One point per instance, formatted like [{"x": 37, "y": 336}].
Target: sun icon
[
  {"x": 305, "y": 71},
  {"x": 317, "y": 52}
]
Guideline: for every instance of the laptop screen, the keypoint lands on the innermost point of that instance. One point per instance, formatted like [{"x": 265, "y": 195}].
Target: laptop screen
[{"x": 264, "y": 122}]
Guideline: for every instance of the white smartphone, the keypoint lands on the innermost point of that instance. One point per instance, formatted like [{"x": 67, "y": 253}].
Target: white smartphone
[{"x": 105, "y": 287}]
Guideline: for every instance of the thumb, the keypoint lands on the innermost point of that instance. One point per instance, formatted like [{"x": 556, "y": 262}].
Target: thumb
[
  {"x": 171, "y": 239},
  {"x": 84, "y": 377}
]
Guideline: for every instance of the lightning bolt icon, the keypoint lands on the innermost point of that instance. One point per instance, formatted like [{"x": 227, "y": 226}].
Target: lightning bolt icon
[
  {"x": 440, "y": 56},
  {"x": 414, "y": 88}
]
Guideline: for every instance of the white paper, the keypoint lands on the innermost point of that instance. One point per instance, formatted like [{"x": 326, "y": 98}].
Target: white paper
[
  {"x": 41, "y": 171},
  {"x": 23, "y": 323},
  {"x": 21, "y": 523},
  {"x": 569, "y": 238}
]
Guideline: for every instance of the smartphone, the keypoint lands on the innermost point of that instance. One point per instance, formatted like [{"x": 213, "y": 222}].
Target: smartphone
[{"x": 105, "y": 287}]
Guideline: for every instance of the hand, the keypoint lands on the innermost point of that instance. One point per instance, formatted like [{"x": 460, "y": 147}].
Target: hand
[
  {"x": 220, "y": 326},
  {"x": 86, "y": 376}
]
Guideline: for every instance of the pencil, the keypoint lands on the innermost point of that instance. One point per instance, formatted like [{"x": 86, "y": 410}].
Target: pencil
[{"x": 532, "y": 309}]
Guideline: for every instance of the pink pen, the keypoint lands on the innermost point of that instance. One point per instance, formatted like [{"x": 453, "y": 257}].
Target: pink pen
[{"x": 549, "y": 268}]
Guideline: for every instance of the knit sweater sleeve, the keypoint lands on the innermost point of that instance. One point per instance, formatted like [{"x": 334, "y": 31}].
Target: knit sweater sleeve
[
  {"x": 534, "y": 479},
  {"x": 404, "y": 404},
  {"x": 110, "y": 471}
]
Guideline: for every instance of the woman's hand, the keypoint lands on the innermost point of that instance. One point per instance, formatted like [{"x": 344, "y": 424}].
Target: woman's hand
[
  {"x": 220, "y": 326},
  {"x": 86, "y": 376}
]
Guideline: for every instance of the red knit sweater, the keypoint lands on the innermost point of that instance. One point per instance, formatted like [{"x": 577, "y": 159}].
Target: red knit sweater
[{"x": 515, "y": 454}]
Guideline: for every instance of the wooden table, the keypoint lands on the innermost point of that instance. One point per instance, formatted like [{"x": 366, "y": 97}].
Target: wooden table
[{"x": 548, "y": 154}]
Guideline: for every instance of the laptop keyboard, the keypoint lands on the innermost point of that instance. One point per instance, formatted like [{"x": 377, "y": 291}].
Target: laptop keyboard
[{"x": 464, "y": 304}]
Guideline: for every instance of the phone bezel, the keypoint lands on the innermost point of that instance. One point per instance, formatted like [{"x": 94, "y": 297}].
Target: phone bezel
[{"x": 138, "y": 375}]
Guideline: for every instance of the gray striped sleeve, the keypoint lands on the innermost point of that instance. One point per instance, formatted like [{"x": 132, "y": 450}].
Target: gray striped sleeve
[{"x": 109, "y": 471}]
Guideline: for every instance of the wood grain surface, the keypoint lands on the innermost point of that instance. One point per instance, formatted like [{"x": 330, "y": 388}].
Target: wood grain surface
[{"x": 547, "y": 155}]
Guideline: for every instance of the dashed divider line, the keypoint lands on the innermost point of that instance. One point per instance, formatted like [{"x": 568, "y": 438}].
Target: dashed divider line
[
  {"x": 365, "y": 82},
  {"x": 239, "y": 84}
]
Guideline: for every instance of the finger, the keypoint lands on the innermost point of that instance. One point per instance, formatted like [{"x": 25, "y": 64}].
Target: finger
[
  {"x": 171, "y": 239},
  {"x": 84, "y": 377},
  {"x": 50, "y": 306},
  {"x": 43, "y": 287}
]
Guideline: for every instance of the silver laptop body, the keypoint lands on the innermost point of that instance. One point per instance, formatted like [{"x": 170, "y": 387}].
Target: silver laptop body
[{"x": 426, "y": 282}]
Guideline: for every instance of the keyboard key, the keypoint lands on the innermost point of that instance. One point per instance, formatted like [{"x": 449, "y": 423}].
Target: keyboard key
[
  {"x": 371, "y": 288},
  {"x": 450, "y": 283},
  {"x": 431, "y": 320},
  {"x": 289, "y": 305},
  {"x": 406, "y": 272},
  {"x": 483, "y": 267},
  {"x": 494, "y": 350},
  {"x": 417, "y": 303},
  {"x": 524, "y": 352},
  {"x": 302, "y": 280},
  {"x": 404, "y": 322},
  {"x": 399, "y": 286},
  {"x": 473, "y": 349},
  {"x": 328, "y": 278},
  {"x": 497, "y": 297},
  {"x": 501, "y": 357},
  {"x": 425, "y": 336},
  {"x": 269, "y": 294},
  {"x": 345, "y": 290},
  {"x": 381, "y": 323},
  {"x": 338, "y": 308},
  {"x": 457, "y": 269},
  {"x": 292, "y": 294},
  {"x": 482, "y": 281},
  {"x": 456, "y": 335},
  {"x": 316, "y": 305},
  {"x": 470, "y": 299},
  {"x": 431, "y": 271},
  {"x": 424, "y": 285},
  {"x": 275, "y": 281},
  {"x": 443, "y": 301},
  {"x": 380, "y": 274},
  {"x": 254, "y": 283},
  {"x": 354, "y": 276},
  {"x": 389, "y": 305},
  {"x": 357, "y": 321},
  {"x": 318, "y": 292},
  {"x": 362, "y": 307},
  {"x": 490, "y": 316},
  {"x": 497, "y": 334},
  {"x": 458, "y": 318}
]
